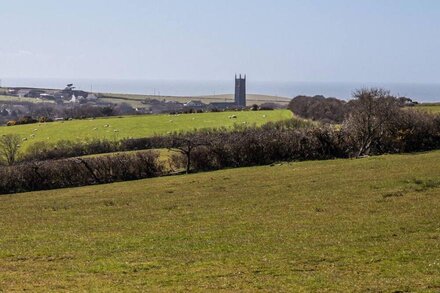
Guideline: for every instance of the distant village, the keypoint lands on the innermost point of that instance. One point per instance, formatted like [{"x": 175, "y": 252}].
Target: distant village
[
  {"x": 68, "y": 94},
  {"x": 153, "y": 105},
  {"x": 71, "y": 103}
]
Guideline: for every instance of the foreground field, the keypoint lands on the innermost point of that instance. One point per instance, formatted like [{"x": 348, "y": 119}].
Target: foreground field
[
  {"x": 137, "y": 126},
  {"x": 344, "y": 225}
]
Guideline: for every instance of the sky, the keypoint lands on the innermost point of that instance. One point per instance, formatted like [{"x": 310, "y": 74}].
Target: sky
[{"x": 269, "y": 40}]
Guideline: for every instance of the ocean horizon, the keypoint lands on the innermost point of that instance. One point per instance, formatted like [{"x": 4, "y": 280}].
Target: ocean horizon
[{"x": 428, "y": 92}]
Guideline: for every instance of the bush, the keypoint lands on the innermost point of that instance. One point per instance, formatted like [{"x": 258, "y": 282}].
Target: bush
[
  {"x": 26, "y": 120},
  {"x": 44, "y": 119},
  {"x": 78, "y": 172},
  {"x": 40, "y": 151},
  {"x": 328, "y": 110}
]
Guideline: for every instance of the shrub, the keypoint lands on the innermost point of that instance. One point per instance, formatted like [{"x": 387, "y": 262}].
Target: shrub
[
  {"x": 78, "y": 172},
  {"x": 9, "y": 147},
  {"x": 329, "y": 110},
  {"x": 26, "y": 120}
]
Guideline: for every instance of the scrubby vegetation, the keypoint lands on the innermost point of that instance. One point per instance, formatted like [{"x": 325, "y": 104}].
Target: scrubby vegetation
[
  {"x": 333, "y": 110},
  {"x": 319, "y": 108},
  {"x": 53, "y": 174}
]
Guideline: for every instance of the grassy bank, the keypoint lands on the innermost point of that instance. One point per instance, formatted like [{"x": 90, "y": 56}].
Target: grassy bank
[
  {"x": 137, "y": 126},
  {"x": 343, "y": 225}
]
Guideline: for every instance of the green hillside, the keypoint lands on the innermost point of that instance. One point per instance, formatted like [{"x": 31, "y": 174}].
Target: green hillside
[
  {"x": 13, "y": 99},
  {"x": 367, "y": 225},
  {"x": 135, "y": 99},
  {"x": 137, "y": 126}
]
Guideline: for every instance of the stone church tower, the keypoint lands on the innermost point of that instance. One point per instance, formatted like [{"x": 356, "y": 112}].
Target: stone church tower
[{"x": 240, "y": 91}]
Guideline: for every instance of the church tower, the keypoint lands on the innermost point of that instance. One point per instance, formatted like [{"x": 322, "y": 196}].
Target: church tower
[{"x": 240, "y": 91}]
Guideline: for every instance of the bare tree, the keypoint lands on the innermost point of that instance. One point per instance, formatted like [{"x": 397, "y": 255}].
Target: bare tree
[
  {"x": 186, "y": 146},
  {"x": 372, "y": 111},
  {"x": 9, "y": 147}
]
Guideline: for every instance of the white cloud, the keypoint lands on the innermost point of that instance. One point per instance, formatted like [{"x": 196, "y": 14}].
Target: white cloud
[{"x": 22, "y": 52}]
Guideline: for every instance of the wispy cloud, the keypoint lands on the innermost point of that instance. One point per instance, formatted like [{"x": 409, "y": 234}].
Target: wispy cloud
[{"x": 23, "y": 52}]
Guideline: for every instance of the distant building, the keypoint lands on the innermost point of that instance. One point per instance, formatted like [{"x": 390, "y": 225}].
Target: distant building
[
  {"x": 155, "y": 106},
  {"x": 239, "y": 96},
  {"x": 74, "y": 99},
  {"x": 222, "y": 105},
  {"x": 91, "y": 97},
  {"x": 240, "y": 91},
  {"x": 196, "y": 105},
  {"x": 47, "y": 96}
]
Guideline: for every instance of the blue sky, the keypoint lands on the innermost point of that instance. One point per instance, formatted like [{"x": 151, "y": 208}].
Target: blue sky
[{"x": 288, "y": 40}]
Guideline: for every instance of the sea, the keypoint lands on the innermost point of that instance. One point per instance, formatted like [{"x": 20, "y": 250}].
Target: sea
[{"x": 427, "y": 93}]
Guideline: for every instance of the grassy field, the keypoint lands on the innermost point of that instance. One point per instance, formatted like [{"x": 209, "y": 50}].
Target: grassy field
[
  {"x": 251, "y": 98},
  {"x": 432, "y": 108},
  {"x": 137, "y": 126},
  {"x": 367, "y": 225},
  {"x": 17, "y": 99}
]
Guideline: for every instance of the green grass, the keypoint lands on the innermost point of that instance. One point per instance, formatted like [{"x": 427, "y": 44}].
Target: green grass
[
  {"x": 367, "y": 225},
  {"x": 137, "y": 126},
  {"x": 135, "y": 99},
  {"x": 432, "y": 108},
  {"x": 17, "y": 99}
]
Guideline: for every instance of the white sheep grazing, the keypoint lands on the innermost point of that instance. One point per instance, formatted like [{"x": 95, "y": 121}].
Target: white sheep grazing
[
  {"x": 264, "y": 116},
  {"x": 106, "y": 125},
  {"x": 116, "y": 130},
  {"x": 234, "y": 116},
  {"x": 24, "y": 139},
  {"x": 95, "y": 128},
  {"x": 244, "y": 122},
  {"x": 32, "y": 135},
  {"x": 35, "y": 129}
]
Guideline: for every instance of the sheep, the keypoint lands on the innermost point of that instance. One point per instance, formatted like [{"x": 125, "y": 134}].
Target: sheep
[
  {"x": 264, "y": 116},
  {"x": 115, "y": 130},
  {"x": 95, "y": 128},
  {"x": 24, "y": 139},
  {"x": 106, "y": 126},
  {"x": 32, "y": 135}
]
